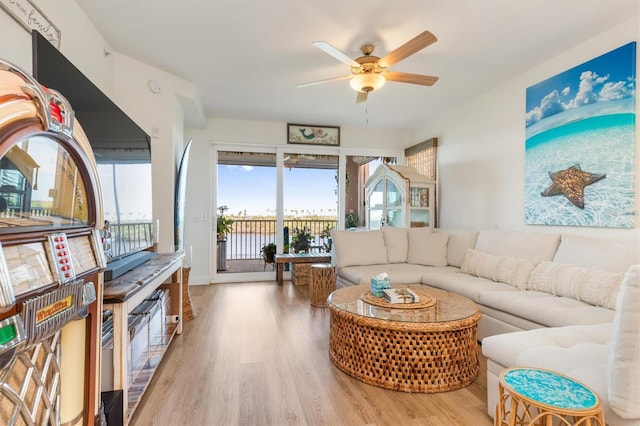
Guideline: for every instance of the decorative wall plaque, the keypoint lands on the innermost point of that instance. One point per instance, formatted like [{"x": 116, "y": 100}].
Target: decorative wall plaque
[{"x": 31, "y": 18}]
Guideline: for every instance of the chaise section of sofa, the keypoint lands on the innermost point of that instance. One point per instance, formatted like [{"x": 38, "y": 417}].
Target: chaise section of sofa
[{"x": 606, "y": 357}]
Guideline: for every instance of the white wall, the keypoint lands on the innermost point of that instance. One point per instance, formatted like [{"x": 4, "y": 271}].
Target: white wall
[
  {"x": 481, "y": 153},
  {"x": 161, "y": 116}
]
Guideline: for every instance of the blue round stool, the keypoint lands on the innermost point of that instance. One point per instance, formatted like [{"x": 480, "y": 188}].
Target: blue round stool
[{"x": 531, "y": 396}]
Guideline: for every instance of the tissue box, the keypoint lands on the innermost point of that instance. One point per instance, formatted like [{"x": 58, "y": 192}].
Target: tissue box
[{"x": 377, "y": 286}]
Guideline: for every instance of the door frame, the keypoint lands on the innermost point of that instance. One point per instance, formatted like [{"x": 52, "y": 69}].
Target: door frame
[{"x": 279, "y": 150}]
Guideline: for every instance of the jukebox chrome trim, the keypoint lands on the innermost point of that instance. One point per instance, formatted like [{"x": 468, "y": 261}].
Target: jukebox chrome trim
[
  {"x": 48, "y": 313},
  {"x": 98, "y": 249},
  {"x": 61, "y": 257},
  {"x": 7, "y": 295},
  {"x": 9, "y": 348},
  {"x": 46, "y": 100}
]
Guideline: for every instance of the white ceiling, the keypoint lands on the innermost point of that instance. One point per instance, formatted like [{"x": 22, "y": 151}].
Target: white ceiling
[{"x": 247, "y": 56}]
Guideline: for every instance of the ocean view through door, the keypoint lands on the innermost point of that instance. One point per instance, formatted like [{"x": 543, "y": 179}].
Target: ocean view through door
[
  {"x": 255, "y": 218},
  {"x": 246, "y": 204}
]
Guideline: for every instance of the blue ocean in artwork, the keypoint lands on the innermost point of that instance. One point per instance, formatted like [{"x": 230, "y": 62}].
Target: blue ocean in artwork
[{"x": 601, "y": 144}]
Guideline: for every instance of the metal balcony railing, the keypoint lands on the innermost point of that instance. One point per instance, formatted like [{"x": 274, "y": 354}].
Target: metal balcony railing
[
  {"x": 130, "y": 237},
  {"x": 245, "y": 240},
  {"x": 247, "y": 236}
]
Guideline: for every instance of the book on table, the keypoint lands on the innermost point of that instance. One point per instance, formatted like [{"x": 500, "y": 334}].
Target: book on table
[{"x": 400, "y": 295}]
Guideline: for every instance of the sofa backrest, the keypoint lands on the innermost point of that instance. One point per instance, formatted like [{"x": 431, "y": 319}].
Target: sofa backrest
[
  {"x": 356, "y": 248},
  {"x": 459, "y": 241},
  {"x": 600, "y": 253},
  {"x": 528, "y": 245}
]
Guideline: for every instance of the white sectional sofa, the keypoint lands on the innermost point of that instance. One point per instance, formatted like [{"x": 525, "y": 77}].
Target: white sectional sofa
[{"x": 554, "y": 301}]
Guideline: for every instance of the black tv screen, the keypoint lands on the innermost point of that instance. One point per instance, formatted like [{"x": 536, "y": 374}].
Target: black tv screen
[{"x": 121, "y": 148}]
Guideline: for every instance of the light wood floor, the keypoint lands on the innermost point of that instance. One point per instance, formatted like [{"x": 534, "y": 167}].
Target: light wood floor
[{"x": 257, "y": 354}]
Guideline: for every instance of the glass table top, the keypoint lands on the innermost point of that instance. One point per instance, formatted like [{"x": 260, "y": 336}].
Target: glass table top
[
  {"x": 448, "y": 306},
  {"x": 549, "y": 388}
]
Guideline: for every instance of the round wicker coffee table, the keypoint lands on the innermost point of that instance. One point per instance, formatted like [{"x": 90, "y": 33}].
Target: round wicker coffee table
[{"x": 426, "y": 350}]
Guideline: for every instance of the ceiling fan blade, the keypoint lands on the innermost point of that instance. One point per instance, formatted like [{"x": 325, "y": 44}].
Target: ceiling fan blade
[
  {"x": 361, "y": 97},
  {"x": 414, "y": 45},
  {"x": 330, "y": 50},
  {"x": 405, "y": 77},
  {"x": 312, "y": 83}
]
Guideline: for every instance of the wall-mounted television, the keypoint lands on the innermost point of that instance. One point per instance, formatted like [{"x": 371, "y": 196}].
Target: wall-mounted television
[{"x": 122, "y": 150}]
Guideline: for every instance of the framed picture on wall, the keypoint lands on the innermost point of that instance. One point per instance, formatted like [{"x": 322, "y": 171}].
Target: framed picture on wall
[
  {"x": 580, "y": 144},
  {"x": 307, "y": 134}
]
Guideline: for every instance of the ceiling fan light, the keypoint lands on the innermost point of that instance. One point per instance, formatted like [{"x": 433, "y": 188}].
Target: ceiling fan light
[{"x": 367, "y": 82}]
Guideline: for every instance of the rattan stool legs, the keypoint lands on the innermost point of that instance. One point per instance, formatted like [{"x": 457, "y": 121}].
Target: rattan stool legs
[{"x": 323, "y": 282}]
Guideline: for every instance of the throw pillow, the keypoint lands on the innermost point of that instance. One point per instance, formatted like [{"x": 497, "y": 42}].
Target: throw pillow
[
  {"x": 359, "y": 248},
  {"x": 505, "y": 269},
  {"x": 459, "y": 241},
  {"x": 397, "y": 242},
  {"x": 515, "y": 271},
  {"x": 624, "y": 352},
  {"x": 594, "y": 286},
  {"x": 427, "y": 248}
]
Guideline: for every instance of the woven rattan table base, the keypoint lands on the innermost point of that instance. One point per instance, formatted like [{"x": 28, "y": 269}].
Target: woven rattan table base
[{"x": 405, "y": 356}]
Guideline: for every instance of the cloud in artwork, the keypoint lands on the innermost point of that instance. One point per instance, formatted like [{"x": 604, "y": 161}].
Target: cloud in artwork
[
  {"x": 592, "y": 88},
  {"x": 586, "y": 95},
  {"x": 615, "y": 91},
  {"x": 550, "y": 105}
]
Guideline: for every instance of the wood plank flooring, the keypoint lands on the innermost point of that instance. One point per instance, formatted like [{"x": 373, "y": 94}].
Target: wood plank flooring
[{"x": 257, "y": 354}]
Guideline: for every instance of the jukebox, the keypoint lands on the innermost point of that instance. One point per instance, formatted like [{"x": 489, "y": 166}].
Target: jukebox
[{"x": 51, "y": 259}]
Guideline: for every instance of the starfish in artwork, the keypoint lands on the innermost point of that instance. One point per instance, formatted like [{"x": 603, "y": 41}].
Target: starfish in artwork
[{"x": 571, "y": 183}]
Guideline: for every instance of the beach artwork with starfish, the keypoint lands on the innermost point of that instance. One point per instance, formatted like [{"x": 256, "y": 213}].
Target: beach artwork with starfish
[{"x": 580, "y": 144}]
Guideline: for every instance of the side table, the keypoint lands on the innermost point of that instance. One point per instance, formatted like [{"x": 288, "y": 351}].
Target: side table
[
  {"x": 530, "y": 396},
  {"x": 323, "y": 282}
]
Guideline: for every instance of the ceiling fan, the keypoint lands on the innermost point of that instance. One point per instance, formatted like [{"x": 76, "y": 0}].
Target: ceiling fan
[{"x": 369, "y": 72}]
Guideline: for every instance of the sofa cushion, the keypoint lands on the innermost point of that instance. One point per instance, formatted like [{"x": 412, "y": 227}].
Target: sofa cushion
[
  {"x": 615, "y": 256},
  {"x": 590, "y": 285},
  {"x": 624, "y": 356},
  {"x": 546, "y": 309},
  {"x": 459, "y": 241},
  {"x": 466, "y": 285},
  {"x": 506, "y": 269},
  {"x": 399, "y": 273},
  {"x": 427, "y": 248},
  {"x": 359, "y": 248},
  {"x": 528, "y": 245},
  {"x": 507, "y": 349},
  {"x": 396, "y": 241}
]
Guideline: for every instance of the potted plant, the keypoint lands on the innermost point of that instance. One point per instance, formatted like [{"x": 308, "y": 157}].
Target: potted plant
[
  {"x": 223, "y": 227},
  {"x": 351, "y": 220},
  {"x": 301, "y": 239},
  {"x": 325, "y": 236},
  {"x": 269, "y": 253},
  {"x": 223, "y": 224}
]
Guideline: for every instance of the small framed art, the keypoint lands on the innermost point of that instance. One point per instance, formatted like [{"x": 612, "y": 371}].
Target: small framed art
[{"x": 313, "y": 135}]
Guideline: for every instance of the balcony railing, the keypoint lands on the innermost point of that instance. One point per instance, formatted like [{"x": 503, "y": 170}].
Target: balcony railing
[
  {"x": 245, "y": 240},
  {"x": 247, "y": 236},
  {"x": 130, "y": 237}
]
